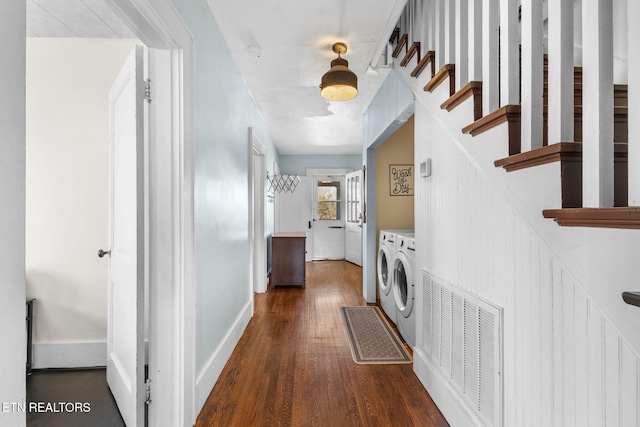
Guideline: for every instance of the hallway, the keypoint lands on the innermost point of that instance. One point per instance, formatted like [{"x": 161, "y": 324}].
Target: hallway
[{"x": 293, "y": 365}]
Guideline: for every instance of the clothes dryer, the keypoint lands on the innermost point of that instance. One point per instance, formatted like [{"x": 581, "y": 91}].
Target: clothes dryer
[{"x": 404, "y": 287}]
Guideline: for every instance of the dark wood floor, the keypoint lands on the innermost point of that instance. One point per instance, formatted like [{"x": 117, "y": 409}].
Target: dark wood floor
[
  {"x": 293, "y": 365},
  {"x": 81, "y": 386}
]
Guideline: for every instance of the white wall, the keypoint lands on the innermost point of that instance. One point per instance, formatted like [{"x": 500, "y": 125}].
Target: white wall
[
  {"x": 68, "y": 82},
  {"x": 571, "y": 345},
  {"x": 224, "y": 112},
  {"x": 565, "y": 361},
  {"x": 12, "y": 200}
]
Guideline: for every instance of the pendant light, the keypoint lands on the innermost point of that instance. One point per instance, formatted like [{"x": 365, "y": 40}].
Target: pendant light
[{"x": 339, "y": 83}]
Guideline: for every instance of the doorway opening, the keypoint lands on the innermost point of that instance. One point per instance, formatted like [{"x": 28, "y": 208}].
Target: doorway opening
[
  {"x": 67, "y": 219},
  {"x": 170, "y": 261}
]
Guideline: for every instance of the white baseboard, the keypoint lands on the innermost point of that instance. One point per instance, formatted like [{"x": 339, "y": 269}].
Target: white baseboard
[
  {"x": 208, "y": 375},
  {"x": 69, "y": 354},
  {"x": 453, "y": 410}
]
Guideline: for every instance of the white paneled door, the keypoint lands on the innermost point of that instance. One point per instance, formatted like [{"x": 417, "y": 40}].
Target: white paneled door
[
  {"x": 125, "y": 330},
  {"x": 328, "y": 217},
  {"x": 353, "y": 249}
]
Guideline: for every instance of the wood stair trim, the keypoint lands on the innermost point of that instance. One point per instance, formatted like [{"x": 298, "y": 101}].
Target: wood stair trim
[
  {"x": 541, "y": 156},
  {"x": 623, "y": 217},
  {"x": 394, "y": 35},
  {"x": 569, "y": 154},
  {"x": 501, "y": 115},
  {"x": 631, "y": 298},
  {"x": 471, "y": 89},
  {"x": 509, "y": 114},
  {"x": 448, "y": 71},
  {"x": 402, "y": 43},
  {"x": 413, "y": 50},
  {"x": 428, "y": 57}
]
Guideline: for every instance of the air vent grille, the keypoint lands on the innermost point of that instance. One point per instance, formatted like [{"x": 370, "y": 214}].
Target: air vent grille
[{"x": 462, "y": 337}]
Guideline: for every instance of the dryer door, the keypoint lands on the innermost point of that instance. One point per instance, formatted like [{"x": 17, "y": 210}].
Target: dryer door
[
  {"x": 385, "y": 277},
  {"x": 403, "y": 286}
]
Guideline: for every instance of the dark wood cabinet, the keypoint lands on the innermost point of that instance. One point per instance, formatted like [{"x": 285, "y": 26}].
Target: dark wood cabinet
[{"x": 288, "y": 253}]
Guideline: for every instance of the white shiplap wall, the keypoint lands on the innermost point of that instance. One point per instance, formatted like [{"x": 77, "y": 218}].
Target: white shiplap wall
[{"x": 565, "y": 363}]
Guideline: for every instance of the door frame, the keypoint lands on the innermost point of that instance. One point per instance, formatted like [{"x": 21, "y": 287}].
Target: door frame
[
  {"x": 257, "y": 217},
  {"x": 170, "y": 175}
]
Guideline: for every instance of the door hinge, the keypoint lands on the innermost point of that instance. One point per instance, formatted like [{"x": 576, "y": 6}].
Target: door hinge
[
  {"x": 147, "y": 386},
  {"x": 147, "y": 90}
]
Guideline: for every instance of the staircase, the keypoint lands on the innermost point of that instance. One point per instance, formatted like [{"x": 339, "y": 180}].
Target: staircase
[
  {"x": 543, "y": 137},
  {"x": 609, "y": 205}
]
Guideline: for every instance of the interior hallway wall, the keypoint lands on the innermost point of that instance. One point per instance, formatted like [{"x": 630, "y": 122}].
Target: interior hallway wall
[
  {"x": 224, "y": 111},
  {"x": 68, "y": 82}
]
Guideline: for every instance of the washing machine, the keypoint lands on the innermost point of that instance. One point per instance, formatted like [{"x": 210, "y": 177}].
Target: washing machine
[
  {"x": 403, "y": 289},
  {"x": 386, "y": 257}
]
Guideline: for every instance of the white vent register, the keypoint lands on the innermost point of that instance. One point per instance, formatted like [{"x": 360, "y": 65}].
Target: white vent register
[{"x": 462, "y": 337}]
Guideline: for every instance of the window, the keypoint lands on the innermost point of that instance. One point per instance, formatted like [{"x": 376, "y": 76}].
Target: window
[
  {"x": 353, "y": 199},
  {"x": 329, "y": 200}
]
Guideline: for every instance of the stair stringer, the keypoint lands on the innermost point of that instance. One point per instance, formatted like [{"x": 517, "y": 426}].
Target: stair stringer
[{"x": 571, "y": 346}]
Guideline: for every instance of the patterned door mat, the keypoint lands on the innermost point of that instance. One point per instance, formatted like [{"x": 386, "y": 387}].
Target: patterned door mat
[{"x": 371, "y": 338}]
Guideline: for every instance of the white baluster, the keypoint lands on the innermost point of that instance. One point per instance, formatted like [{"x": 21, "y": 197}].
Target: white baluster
[
  {"x": 462, "y": 43},
  {"x": 633, "y": 55},
  {"x": 420, "y": 19},
  {"x": 490, "y": 80},
  {"x": 509, "y": 53},
  {"x": 597, "y": 103},
  {"x": 411, "y": 22},
  {"x": 439, "y": 45},
  {"x": 475, "y": 41},
  {"x": 532, "y": 77},
  {"x": 432, "y": 20},
  {"x": 561, "y": 80},
  {"x": 449, "y": 32}
]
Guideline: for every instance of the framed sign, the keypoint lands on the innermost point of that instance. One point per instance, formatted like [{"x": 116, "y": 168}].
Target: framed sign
[{"x": 401, "y": 180}]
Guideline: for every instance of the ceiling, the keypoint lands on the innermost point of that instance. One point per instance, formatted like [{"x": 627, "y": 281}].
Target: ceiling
[
  {"x": 282, "y": 48},
  {"x": 74, "y": 18}
]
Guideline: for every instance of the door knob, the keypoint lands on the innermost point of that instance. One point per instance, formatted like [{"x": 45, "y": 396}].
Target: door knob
[{"x": 102, "y": 253}]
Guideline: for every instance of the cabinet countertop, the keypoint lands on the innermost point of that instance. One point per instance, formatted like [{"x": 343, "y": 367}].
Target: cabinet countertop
[{"x": 291, "y": 234}]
